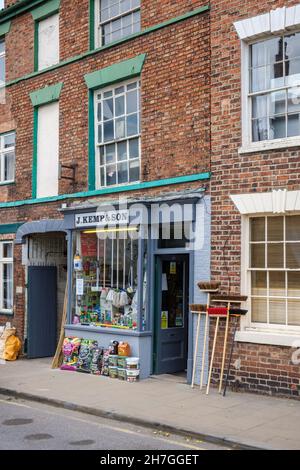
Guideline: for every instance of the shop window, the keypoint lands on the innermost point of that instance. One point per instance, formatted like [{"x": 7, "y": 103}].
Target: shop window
[
  {"x": 274, "y": 94},
  {"x": 174, "y": 235},
  {"x": 106, "y": 279},
  {"x": 117, "y": 19},
  {"x": 48, "y": 42},
  {"x": 7, "y": 157},
  {"x": 6, "y": 277},
  {"x": 274, "y": 270},
  {"x": 117, "y": 119}
]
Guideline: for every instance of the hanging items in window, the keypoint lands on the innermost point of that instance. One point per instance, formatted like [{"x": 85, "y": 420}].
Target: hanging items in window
[{"x": 105, "y": 278}]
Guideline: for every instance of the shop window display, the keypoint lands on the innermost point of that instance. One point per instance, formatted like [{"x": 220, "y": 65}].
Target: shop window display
[{"x": 106, "y": 280}]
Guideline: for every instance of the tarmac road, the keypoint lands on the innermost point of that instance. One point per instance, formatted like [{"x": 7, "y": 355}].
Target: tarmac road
[{"x": 27, "y": 425}]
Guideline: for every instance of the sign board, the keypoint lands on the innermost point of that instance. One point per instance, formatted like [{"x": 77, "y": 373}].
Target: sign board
[{"x": 102, "y": 219}]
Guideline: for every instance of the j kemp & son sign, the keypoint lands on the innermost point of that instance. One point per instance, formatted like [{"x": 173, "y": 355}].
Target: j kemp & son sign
[{"x": 101, "y": 219}]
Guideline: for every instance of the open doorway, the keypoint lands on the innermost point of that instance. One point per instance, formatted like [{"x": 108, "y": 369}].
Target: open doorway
[
  {"x": 171, "y": 316},
  {"x": 46, "y": 273}
]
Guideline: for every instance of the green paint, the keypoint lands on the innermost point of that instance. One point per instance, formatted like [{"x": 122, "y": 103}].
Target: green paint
[
  {"x": 92, "y": 25},
  {"x": 47, "y": 9},
  {"x": 115, "y": 73},
  {"x": 18, "y": 8},
  {"x": 4, "y": 28},
  {"x": 36, "y": 45},
  {"x": 35, "y": 152},
  {"x": 92, "y": 156},
  {"x": 10, "y": 228},
  {"x": 46, "y": 95},
  {"x": 113, "y": 44},
  {"x": 114, "y": 190}
]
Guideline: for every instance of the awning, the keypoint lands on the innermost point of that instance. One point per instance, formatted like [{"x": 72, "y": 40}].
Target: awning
[{"x": 43, "y": 226}]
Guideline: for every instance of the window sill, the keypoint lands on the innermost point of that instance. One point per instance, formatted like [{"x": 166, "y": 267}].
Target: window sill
[
  {"x": 8, "y": 183},
  {"x": 270, "y": 145},
  {"x": 6, "y": 313},
  {"x": 268, "y": 337}
]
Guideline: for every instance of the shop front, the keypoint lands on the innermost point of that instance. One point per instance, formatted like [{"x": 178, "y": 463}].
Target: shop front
[{"x": 132, "y": 273}]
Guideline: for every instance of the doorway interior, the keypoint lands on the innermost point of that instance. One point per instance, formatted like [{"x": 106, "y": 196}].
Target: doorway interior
[{"x": 171, "y": 314}]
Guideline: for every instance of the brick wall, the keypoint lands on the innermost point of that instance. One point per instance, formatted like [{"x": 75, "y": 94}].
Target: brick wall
[{"x": 262, "y": 367}]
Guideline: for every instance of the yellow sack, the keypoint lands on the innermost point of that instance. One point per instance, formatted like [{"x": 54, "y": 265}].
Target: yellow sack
[{"x": 12, "y": 348}]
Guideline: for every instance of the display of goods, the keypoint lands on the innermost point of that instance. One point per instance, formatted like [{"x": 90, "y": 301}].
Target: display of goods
[
  {"x": 105, "y": 363},
  {"x": 113, "y": 372},
  {"x": 132, "y": 375},
  {"x": 86, "y": 354},
  {"x": 132, "y": 363},
  {"x": 124, "y": 349},
  {"x": 113, "y": 361},
  {"x": 97, "y": 361},
  {"x": 70, "y": 352},
  {"x": 121, "y": 374},
  {"x": 113, "y": 348},
  {"x": 122, "y": 362}
]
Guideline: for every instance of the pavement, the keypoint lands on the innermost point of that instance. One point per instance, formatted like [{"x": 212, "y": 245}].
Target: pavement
[{"x": 166, "y": 403}]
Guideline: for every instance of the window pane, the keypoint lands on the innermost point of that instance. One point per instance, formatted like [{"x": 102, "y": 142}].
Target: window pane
[
  {"x": 100, "y": 137},
  {"x": 258, "y": 79},
  {"x": 259, "y": 310},
  {"x": 2, "y": 70},
  {"x": 292, "y": 72},
  {"x": 277, "y": 102},
  {"x": 267, "y": 52},
  {"x": 99, "y": 112},
  {"x": 275, "y": 255},
  {"x": 132, "y": 124},
  {"x": 294, "y": 312},
  {"x": 122, "y": 151},
  {"x": 9, "y": 166},
  {"x": 111, "y": 176},
  {"x": 260, "y": 129},
  {"x": 9, "y": 140},
  {"x": 108, "y": 109},
  {"x": 293, "y": 255},
  {"x": 277, "y": 312},
  {"x": 293, "y": 228},
  {"x": 134, "y": 171},
  {"x": 259, "y": 106},
  {"x": 136, "y": 22},
  {"x": 108, "y": 131},
  {"x": 294, "y": 100},
  {"x": 7, "y": 286},
  {"x": 7, "y": 250},
  {"x": 294, "y": 284},
  {"x": 2, "y": 47},
  {"x": 120, "y": 106},
  {"x": 122, "y": 173},
  {"x": 277, "y": 127},
  {"x": 275, "y": 229},
  {"x": 134, "y": 148},
  {"x": 292, "y": 46},
  {"x": 132, "y": 102},
  {"x": 120, "y": 128},
  {"x": 125, "y": 5},
  {"x": 110, "y": 153},
  {"x": 258, "y": 256},
  {"x": 293, "y": 125},
  {"x": 259, "y": 283},
  {"x": 257, "y": 229},
  {"x": 277, "y": 284}
]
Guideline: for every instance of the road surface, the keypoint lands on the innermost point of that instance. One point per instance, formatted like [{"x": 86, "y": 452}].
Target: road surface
[{"x": 27, "y": 425}]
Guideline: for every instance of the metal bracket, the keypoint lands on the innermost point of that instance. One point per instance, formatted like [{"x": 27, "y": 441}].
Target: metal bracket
[{"x": 72, "y": 167}]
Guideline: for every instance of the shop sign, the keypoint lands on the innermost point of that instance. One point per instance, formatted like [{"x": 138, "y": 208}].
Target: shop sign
[{"x": 101, "y": 219}]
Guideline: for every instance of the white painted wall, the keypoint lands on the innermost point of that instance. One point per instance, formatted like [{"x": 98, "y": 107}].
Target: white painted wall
[
  {"x": 48, "y": 150},
  {"x": 48, "y": 42}
]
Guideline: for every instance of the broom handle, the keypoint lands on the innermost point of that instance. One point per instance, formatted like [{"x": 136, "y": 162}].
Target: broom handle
[
  {"x": 224, "y": 348},
  {"x": 204, "y": 344},
  {"x": 212, "y": 355},
  {"x": 196, "y": 349},
  {"x": 230, "y": 357}
]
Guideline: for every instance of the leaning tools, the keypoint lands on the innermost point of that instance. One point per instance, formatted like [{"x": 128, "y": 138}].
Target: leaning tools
[
  {"x": 198, "y": 310},
  {"x": 214, "y": 312}
]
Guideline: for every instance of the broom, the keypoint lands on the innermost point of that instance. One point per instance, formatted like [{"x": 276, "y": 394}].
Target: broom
[{"x": 57, "y": 360}]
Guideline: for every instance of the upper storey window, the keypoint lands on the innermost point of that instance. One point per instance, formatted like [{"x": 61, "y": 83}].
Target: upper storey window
[
  {"x": 48, "y": 42},
  {"x": 275, "y": 88},
  {"x": 2, "y": 63},
  {"x": 118, "y": 19}
]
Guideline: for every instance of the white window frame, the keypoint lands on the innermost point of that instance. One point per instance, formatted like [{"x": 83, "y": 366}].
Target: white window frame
[
  {"x": 99, "y": 24},
  {"x": 275, "y": 22},
  {"x": 3, "y": 152},
  {"x": 97, "y": 145},
  {"x": 49, "y": 63},
  {"x": 4, "y": 261},
  {"x": 3, "y": 54}
]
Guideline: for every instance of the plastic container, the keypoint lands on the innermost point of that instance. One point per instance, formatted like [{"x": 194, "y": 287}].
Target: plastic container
[
  {"x": 122, "y": 362},
  {"x": 132, "y": 363},
  {"x": 124, "y": 349},
  {"x": 113, "y": 372},
  {"x": 113, "y": 361},
  {"x": 121, "y": 374},
  {"x": 132, "y": 375}
]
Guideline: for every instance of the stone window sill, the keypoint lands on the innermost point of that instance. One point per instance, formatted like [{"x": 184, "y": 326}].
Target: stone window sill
[
  {"x": 270, "y": 145},
  {"x": 268, "y": 337}
]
